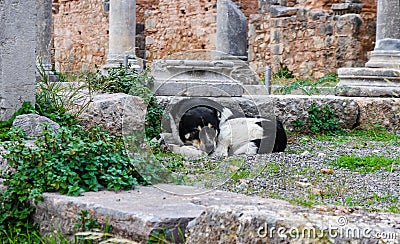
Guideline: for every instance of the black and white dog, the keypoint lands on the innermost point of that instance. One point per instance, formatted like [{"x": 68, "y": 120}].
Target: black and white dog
[{"x": 226, "y": 133}]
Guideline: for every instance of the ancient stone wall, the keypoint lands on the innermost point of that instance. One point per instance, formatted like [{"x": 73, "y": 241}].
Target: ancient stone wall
[
  {"x": 311, "y": 42},
  {"x": 177, "y": 26},
  {"x": 80, "y": 34},
  {"x": 180, "y": 25}
]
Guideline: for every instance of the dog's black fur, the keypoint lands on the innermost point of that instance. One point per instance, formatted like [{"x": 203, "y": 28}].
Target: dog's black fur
[
  {"x": 199, "y": 117},
  {"x": 280, "y": 138},
  {"x": 194, "y": 119}
]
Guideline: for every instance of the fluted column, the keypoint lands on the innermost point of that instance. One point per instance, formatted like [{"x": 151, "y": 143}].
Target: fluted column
[{"x": 122, "y": 34}]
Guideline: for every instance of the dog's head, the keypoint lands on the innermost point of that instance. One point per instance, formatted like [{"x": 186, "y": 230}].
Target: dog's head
[{"x": 199, "y": 126}]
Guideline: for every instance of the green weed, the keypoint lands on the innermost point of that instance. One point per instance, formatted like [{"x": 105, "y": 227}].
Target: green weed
[
  {"x": 365, "y": 164},
  {"x": 308, "y": 86}
]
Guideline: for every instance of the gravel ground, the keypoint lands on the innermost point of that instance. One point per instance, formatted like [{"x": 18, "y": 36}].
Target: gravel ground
[{"x": 304, "y": 174}]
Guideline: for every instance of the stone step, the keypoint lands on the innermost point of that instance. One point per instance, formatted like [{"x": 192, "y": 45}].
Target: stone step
[
  {"x": 350, "y": 111},
  {"x": 319, "y": 90},
  {"x": 207, "y": 216}
]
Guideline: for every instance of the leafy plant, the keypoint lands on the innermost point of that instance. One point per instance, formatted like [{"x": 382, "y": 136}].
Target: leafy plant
[
  {"x": 59, "y": 100},
  {"x": 365, "y": 164},
  {"x": 322, "y": 120},
  {"x": 283, "y": 72},
  {"x": 70, "y": 162},
  {"x": 298, "y": 125}
]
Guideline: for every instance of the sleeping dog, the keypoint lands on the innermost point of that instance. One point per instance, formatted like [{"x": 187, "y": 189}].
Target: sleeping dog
[
  {"x": 199, "y": 126},
  {"x": 222, "y": 134}
]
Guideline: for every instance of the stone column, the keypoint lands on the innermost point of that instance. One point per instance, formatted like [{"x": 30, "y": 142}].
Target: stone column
[
  {"x": 17, "y": 55},
  {"x": 387, "y": 46},
  {"x": 381, "y": 77},
  {"x": 232, "y": 42},
  {"x": 122, "y": 33},
  {"x": 231, "y": 30},
  {"x": 43, "y": 37}
]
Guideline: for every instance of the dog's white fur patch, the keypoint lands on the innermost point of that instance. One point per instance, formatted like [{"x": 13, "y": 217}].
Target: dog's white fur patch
[{"x": 236, "y": 135}]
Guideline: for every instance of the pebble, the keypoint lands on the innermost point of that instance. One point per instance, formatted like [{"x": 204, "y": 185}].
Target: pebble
[{"x": 283, "y": 174}]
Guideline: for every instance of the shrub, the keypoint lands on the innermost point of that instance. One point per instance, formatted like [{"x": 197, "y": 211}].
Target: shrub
[
  {"x": 131, "y": 82},
  {"x": 320, "y": 121}
]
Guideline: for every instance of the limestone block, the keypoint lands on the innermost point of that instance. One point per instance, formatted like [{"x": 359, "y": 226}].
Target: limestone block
[
  {"x": 289, "y": 108},
  {"x": 383, "y": 111},
  {"x": 114, "y": 112},
  {"x": 33, "y": 124},
  {"x": 346, "y": 8},
  {"x": 277, "y": 11},
  {"x": 366, "y": 82},
  {"x": 349, "y": 25},
  {"x": 199, "y": 89}
]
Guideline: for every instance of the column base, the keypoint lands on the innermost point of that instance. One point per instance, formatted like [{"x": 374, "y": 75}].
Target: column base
[
  {"x": 48, "y": 70},
  {"x": 115, "y": 63},
  {"x": 384, "y": 59},
  {"x": 369, "y": 82}
]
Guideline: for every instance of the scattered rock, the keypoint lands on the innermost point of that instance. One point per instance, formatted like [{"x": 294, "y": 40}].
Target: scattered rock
[
  {"x": 305, "y": 153},
  {"x": 317, "y": 191},
  {"x": 302, "y": 184},
  {"x": 326, "y": 171},
  {"x": 33, "y": 124}
]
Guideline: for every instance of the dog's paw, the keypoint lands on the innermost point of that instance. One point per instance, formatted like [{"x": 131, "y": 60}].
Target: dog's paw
[{"x": 187, "y": 151}]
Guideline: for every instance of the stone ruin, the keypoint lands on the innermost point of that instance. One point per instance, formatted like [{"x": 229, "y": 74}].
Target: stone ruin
[
  {"x": 17, "y": 83},
  {"x": 381, "y": 76},
  {"x": 17, "y": 57}
]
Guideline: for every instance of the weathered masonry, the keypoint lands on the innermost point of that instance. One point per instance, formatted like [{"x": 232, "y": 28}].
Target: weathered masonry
[
  {"x": 17, "y": 55},
  {"x": 310, "y": 37}
]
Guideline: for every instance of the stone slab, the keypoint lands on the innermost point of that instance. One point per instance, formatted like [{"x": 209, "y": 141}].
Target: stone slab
[
  {"x": 164, "y": 70},
  {"x": 204, "y": 216},
  {"x": 278, "y": 11},
  {"x": 369, "y": 82},
  {"x": 17, "y": 55},
  {"x": 384, "y": 58},
  {"x": 198, "y": 89},
  {"x": 283, "y": 224},
  {"x": 255, "y": 90},
  {"x": 137, "y": 213}
]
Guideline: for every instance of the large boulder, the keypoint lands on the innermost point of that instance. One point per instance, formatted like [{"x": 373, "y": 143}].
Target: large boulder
[
  {"x": 115, "y": 112},
  {"x": 32, "y": 124}
]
